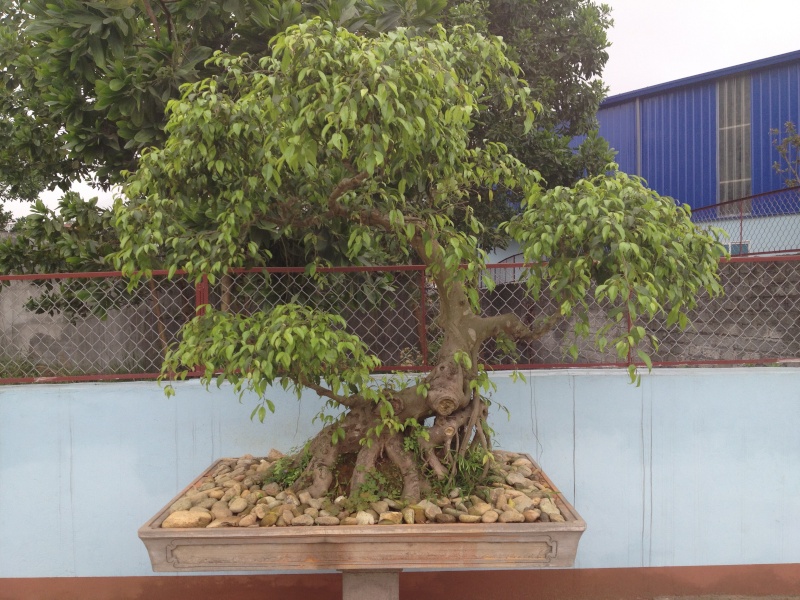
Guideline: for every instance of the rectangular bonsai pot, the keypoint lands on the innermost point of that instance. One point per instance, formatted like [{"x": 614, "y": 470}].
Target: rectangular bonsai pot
[{"x": 456, "y": 546}]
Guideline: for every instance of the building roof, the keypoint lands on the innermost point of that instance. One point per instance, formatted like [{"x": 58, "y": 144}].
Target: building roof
[{"x": 703, "y": 77}]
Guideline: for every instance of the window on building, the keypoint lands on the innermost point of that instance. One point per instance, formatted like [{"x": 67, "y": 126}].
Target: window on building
[
  {"x": 738, "y": 248},
  {"x": 733, "y": 148}
]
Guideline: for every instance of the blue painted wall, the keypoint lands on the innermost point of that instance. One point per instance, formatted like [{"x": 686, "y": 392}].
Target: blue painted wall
[
  {"x": 617, "y": 124},
  {"x": 678, "y": 133},
  {"x": 775, "y": 100},
  {"x": 695, "y": 467},
  {"x": 679, "y": 156}
]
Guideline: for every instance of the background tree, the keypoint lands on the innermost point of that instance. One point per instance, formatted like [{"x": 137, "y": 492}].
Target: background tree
[
  {"x": 86, "y": 83},
  {"x": 371, "y": 141},
  {"x": 29, "y": 160},
  {"x": 76, "y": 236},
  {"x": 6, "y": 218},
  {"x": 787, "y": 145},
  {"x": 561, "y": 49}
]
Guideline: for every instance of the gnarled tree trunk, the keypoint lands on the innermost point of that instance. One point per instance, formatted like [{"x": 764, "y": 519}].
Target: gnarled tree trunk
[{"x": 453, "y": 412}]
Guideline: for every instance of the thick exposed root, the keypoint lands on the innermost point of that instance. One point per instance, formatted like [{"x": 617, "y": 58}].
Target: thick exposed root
[
  {"x": 365, "y": 463},
  {"x": 320, "y": 468},
  {"x": 434, "y": 463},
  {"x": 475, "y": 412},
  {"x": 450, "y": 437},
  {"x": 441, "y": 435},
  {"x": 319, "y": 474},
  {"x": 404, "y": 460}
]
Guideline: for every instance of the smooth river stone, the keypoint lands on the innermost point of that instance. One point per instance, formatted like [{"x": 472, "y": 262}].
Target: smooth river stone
[{"x": 183, "y": 519}]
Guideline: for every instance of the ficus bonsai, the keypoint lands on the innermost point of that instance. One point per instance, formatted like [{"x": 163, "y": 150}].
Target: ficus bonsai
[{"x": 369, "y": 143}]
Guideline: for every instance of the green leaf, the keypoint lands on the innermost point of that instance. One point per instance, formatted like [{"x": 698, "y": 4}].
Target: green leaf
[{"x": 646, "y": 359}]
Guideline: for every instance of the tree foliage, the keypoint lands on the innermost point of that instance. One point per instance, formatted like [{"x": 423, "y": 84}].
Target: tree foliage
[
  {"x": 86, "y": 83},
  {"x": 787, "y": 144},
  {"x": 561, "y": 48},
  {"x": 611, "y": 239},
  {"x": 369, "y": 143},
  {"x": 360, "y": 115},
  {"x": 6, "y": 218},
  {"x": 76, "y": 235}
]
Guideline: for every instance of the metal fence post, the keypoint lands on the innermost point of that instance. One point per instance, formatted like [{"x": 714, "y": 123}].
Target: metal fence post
[
  {"x": 422, "y": 324},
  {"x": 201, "y": 296},
  {"x": 630, "y": 327},
  {"x": 741, "y": 227}
]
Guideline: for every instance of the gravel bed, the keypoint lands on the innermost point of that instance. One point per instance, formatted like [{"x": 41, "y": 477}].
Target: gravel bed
[{"x": 235, "y": 495}]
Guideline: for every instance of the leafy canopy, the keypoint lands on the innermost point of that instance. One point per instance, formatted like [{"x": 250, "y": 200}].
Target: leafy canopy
[
  {"x": 368, "y": 142},
  {"x": 612, "y": 239},
  {"x": 364, "y": 142}
]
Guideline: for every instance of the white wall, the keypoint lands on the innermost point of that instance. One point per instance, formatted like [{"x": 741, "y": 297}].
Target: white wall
[
  {"x": 695, "y": 467},
  {"x": 764, "y": 234},
  {"x": 498, "y": 254}
]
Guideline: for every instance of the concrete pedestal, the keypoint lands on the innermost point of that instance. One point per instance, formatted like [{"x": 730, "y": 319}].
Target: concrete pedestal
[{"x": 370, "y": 585}]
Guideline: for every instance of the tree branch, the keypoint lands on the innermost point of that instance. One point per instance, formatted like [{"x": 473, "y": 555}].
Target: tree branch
[
  {"x": 346, "y": 401},
  {"x": 488, "y": 327},
  {"x": 344, "y": 186},
  {"x": 170, "y": 28},
  {"x": 149, "y": 10},
  {"x": 454, "y": 303}
]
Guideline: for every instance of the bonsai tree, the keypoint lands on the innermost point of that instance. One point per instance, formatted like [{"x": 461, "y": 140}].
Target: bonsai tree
[{"x": 368, "y": 143}]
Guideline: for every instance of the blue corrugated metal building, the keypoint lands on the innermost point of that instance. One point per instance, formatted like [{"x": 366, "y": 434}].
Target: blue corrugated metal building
[{"x": 706, "y": 139}]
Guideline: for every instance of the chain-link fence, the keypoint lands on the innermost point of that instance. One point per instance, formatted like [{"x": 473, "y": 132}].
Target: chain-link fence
[
  {"x": 81, "y": 326},
  {"x": 757, "y": 320},
  {"x": 757, "y": 225},
  {"x": 90, "y": 326},
  {"x": 385, "y": 307}
]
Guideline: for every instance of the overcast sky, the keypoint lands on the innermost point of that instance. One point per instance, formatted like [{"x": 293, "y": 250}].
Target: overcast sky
[{"x": 655, "y": 41}]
